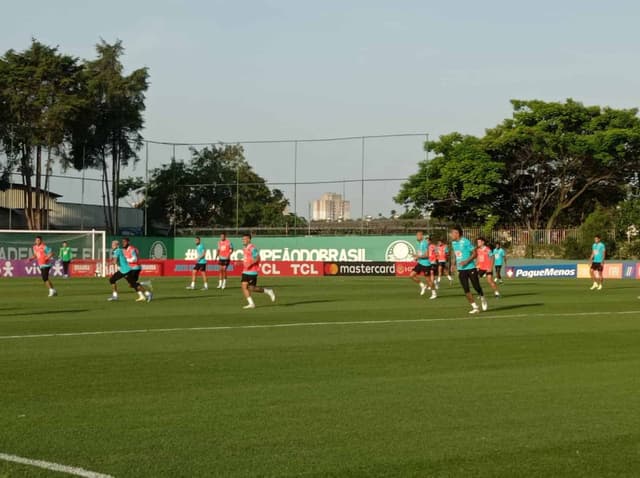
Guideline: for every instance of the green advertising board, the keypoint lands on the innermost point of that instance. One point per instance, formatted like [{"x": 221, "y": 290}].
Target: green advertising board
[{"x": 312, "y": 248}]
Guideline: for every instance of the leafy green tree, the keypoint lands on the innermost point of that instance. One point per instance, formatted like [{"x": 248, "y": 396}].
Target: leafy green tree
[
  {"x": 561, "y": 159},
  {"x": 39, "y": 92},
  {"x": 209, "y": 190},
  {"x": 106, "y": 134},
  {"x": 459, "y": 184}
]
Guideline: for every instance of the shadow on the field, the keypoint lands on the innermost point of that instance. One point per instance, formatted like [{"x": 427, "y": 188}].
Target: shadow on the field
[
  {"x": 191, "y": 297},
  {"x": 45, "y": 312},
  {"x": 508, "y": 296},
  {"x": 305, "y": 302},
  {"x": 515, "y": 306}
]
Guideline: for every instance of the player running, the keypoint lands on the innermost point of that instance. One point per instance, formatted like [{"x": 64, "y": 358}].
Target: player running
[
  {"x": 43, "y": 254},
  {"x": 598, "y": 253},
  {"x": 131, "y": 254},
  {"x": 423, "y": 266},
  {"x": 433, "y": 258},
  {"x": 465, "y": 255},
  {"x": 484, "y": 262},
  {"x": 249, "y": 281},
  {"x": 500, "y": 261},
  {"x": 225, "y": 249},
  {"x": 118, "y": 260},
  {"x": 443, "y": 261},
  {"x": 65, "y": 256},
  {"x": 200, "y": 266}
]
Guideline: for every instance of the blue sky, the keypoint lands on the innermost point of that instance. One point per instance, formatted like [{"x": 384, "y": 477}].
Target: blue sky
[{"x": 223, "y": 70}]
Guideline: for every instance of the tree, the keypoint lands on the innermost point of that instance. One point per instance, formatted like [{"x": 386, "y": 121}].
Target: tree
[
  {"x": 458, "y": 184},
  {"x": 107, "y": 134},
  {"x": 561, "y": 159},
  {"x": 213, "y": 188},
  {"x": 40, "y": 96}
]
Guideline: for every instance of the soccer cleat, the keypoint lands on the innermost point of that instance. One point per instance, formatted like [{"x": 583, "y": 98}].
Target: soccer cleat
[
  {"x": 250, "y": 306},
  {"x": 141, "y": 299},
  {"x": 423, "y": 288},
  {"x": 434, "y": 295},
  {"x": 594, "y": 286},
  {"x": 112, "y": 298},
  {"x": 483, "y": 303},
  {"x": 205, "y": 288},
  {"x": 497, "y": 294},
  {"x": 474, "y": 310},
  {"x": 600, "y": 287},
  {"x": 190, "y": 287},
  {"x": 219, "y": 285},
  {"x": 271, "y": 294},
  {"x": 149, "y": 297},
  {"x": 53, "y": 292}
]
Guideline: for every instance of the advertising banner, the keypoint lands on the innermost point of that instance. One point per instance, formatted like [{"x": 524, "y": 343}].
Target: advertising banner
[
  {"x": 267, "y": 268},
  {"x": 26, "y": 268},
  {"x": 311, "y": 248},
  {"x": 79, "y": 268},
  {"x": 629, "y": 270},
  {"x": 360, "y": 269},
  {"x": 556, "y": 271}
]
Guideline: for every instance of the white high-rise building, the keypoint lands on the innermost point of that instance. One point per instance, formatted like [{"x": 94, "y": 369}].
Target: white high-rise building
[{"x": 331, "y": 207}]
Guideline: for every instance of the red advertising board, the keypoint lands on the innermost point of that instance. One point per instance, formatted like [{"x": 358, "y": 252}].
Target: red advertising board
[
  {"x": 83, "y": 268},
  {"x": 403, "y": 269},
  {"x": 152, "y": 268},
  {"x": 267, "y": 268}
]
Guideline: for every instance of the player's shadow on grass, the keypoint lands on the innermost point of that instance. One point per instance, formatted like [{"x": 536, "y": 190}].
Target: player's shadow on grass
[
  {"x": 508, "y": 296},
  {"x": 515, "y": 306},
  {"x": 190, "y": 297},
  {"x": 45, "y": 312},
  {"x": 307, "y": 302}
]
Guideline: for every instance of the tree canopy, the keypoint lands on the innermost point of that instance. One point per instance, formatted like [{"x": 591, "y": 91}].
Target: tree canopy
[{"x": 549, "y": 164}]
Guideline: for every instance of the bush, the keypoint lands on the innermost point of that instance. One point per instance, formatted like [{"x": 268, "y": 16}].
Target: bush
[{"x": 630, "y": 250}]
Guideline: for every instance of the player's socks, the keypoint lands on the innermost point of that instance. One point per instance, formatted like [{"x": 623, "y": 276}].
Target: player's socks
[
  {"x": 423, "y": 288},
  {"x": 483, "y": 303},
  {"x": 52, "y": 292},
  {"x": 205, "y": 286},
  {"x": 594, "y": 286},
  {"x": 250, "y": 304},
  {"x": 434, "y": 295},
  {"x": 474, "y": 309},
  {"x": 224, "y": 284},
  {"x": 114, "y": 296},
  {"x": 219, "y": 284},
  {"x": 599, "y": 286}
]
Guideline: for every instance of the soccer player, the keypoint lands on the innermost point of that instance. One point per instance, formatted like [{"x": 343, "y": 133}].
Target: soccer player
[
  {"x": 131, "y": 255},
  {"x": 423, "y": 266},
  {"x": 249, "y": 281},
  {"x": 65, "y": 256},
  {"x": 117, "y": 259},
  {"x": 598, "y": 253},
  {"x": 200, "y": 266},
  {"x": 465, "y": 255},
  {"x": 433, "y": 258},
  {"x": 225, "y": 249},
  {"x": 43, "y": 254},
  {"x": 443, "y": 261},
  {"x": 500, "y": 261},
  {"x": 484, "y": 262}
]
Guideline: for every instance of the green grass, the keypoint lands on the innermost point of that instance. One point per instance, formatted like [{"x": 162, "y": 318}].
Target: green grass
[{"x": 543, "y": 384}]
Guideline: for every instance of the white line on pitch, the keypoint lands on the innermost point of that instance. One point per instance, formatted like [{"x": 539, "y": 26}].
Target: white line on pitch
[
  {"x": 311, "y": 324},
  {"x": 70, "y": 470}
]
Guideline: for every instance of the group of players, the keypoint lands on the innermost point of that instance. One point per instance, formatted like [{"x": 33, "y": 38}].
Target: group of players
[
  {"x": 126, "y": 258},
  {"x": 472, "y": 262}
]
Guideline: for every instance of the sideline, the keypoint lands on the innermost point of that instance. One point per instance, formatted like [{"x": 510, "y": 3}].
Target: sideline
[
  {"x": 70, "y": 470},
  {"x": 312, "y": 324}
]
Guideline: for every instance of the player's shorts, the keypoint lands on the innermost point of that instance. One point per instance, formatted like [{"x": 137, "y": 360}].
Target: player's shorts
[
  {"x": 200, "y": 267},
  {"x": 116, "y": 277},
  {"x": 224, "y": 262},
  {"x": 597, "y": 266},
  {"x": 44, "y": 272},
  {"x": 482, "y": 273},
  {"x": 132, "y": 278},
  {"x": 466, "y": 276},
  {"x": 251, "y": 279},
  {"x": 442, "y": 263},
  {"x": 420, "y": 269}
]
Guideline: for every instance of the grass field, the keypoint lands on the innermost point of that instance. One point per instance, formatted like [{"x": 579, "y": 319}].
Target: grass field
[{"x": 353, "y": 377}]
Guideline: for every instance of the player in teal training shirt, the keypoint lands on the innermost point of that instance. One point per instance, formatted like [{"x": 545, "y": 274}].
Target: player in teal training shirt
[
  {"x": 598, "y": 253},
  {"x": 424, "y": 266},
  {"x": 464, "y": 260}
]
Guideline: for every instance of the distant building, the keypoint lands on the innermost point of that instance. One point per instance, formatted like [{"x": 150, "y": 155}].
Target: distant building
[
  {"x": 61, "y": 215},
  {"x": 331, "y": 207}
]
